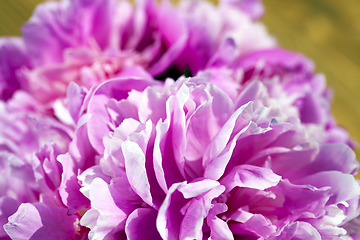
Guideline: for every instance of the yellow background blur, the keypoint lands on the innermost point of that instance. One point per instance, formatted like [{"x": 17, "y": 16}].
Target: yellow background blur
[{"x": 327, "y": 31}]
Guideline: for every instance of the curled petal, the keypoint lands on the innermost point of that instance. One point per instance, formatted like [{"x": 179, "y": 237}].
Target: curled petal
[
  {"x": 141, "y": 225},
  {"x": 250, "y": 177},
  {"x": 219, "y": 228},
  {"x": 108, "y": 212}
]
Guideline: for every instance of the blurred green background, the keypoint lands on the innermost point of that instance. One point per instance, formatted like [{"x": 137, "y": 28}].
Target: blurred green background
[{"x": 327, "y": 31}]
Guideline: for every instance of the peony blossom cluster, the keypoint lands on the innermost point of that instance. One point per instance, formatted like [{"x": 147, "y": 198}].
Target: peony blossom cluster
[{"x": 151, "y": 120}]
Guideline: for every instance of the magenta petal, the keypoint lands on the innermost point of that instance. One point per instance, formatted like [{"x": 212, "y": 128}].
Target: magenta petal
[
  {"x": 307, "y": 231},
  {"x": 286, "y": 232},
  {"x": 218, "y": 152},
  {"x": 256, "y": 225},
  {"x": 213, "y": 114},
  {"x": 192, "y": 223},
  {"x": 47, "y": 172},
  {"x": 80, "y": 149},
  {"x": 139, "y": 166},
  {"x": 332, "y": 157},
  {"x": 113, "y": 163},
  {"x": 97, "y": 126},
  {"x": 181, "y": 218},
  {"x": 284, "y": 162},
  {"x": 311, "y": 110},
  {"x": 300, "y": 201},
  {"x": 8, "y": 207},
  {"x": 152, "y": 105},
  {"x": 169, "y": 217},
  {"x": 75, "y": 96},
  {"x": 134, "y": 72},
  {"x": 135, "y": 168},
  {"x": 250, "y": 177},
  {"x": 141, "y": 225},
  {"x": 86, "y": 178},
  {"x": 255, "y": 90},
  {"x": 298, "y": 230},
  {"x": 198, "y": 187},
  {"x": 225, "y": 55},
  {"x": 169, "y": 146},
  {"x": 13, "y": 57},
  {"x": 161, "y": 132},
  {"x": 136, "y": 171},
  {"x": 108, "y": 212},
  {"x": 336, "y": 181},
  {"x": 219, "y": 228},
  {"x": 40, "y": 221},
  {"x": 69, "y": 188},
  {"x": 197, "y": 211}
]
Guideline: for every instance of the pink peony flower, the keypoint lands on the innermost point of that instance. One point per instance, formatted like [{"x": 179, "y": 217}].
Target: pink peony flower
[
  {"x": 183, "y": 160},
  {"x": 88, "y": 42}
]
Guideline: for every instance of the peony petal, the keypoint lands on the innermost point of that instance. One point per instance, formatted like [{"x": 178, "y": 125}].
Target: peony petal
[
  {"x": 336, "y": 181},
  {"x": 197, "y": 187},
  {"x": 221, "y": 139},
  {"x": 69, "y": 188},
  {"x": 75, "y": 96},
  {"x": 332, "y": 157},
  {"x": 110, "y": 209},
  {"x": 40, "y": 221},
  {"x": 257, "y": 225},
  {"x": 169, "y": 217},
  {"x": 13, "y": 57},
  {"x": 8, "y": 207},
  {"x": 136, "y": 170},
  {"x": 80, "y": 149},
  {"x": 219, "y": 228},
  {"x": 306, "y": 231},
  {"x": 141, "y": 225},
  {"x": 197, "y": 211},
  {"x": 250, "y": 177},
  {"x": 113, "y": 163},
  {"x": 139, "y": 167},
  {"x": 225, "y": 55},
  {"x": 87, "y": 177},
  {"x": 169, "y": 146},
  {"x": 312, "y": 111}
]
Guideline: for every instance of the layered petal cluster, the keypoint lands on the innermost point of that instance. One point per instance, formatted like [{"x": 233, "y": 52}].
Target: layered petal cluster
[
  {"x": 288, "y": 77},
  {"x": 160, "y": 121},
  {"x": 29, "y": 145}
]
